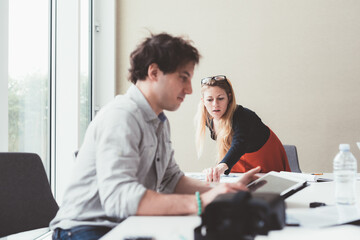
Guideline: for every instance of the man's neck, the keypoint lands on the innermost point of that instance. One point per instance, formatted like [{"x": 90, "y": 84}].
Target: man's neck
[{"x": 145, "y": 88}]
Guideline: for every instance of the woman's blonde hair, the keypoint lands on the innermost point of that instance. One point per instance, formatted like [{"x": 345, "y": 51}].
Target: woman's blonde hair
[{"x": 203, "y": 118}]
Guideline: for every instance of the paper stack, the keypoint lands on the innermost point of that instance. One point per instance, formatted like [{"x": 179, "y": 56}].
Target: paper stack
[{"x": 304, "y": 176}]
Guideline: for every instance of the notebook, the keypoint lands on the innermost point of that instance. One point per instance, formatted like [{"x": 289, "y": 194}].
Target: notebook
[{"x": 306, "y": 176}]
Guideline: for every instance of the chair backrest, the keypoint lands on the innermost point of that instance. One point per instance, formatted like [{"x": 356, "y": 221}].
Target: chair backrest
[
  {"x": 26, "y": 200},
  {"x": 292, "y": 156}
]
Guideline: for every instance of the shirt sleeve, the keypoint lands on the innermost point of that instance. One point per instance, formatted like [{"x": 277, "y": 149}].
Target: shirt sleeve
[
  {"x": 250, "y": 134},
  {"x": 117, "y": 162},
  {"x": 238, "y": 144}
]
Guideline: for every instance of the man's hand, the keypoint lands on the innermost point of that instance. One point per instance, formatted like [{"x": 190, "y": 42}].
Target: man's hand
[
  {"x": 213, "y": 174},
  {"x": 250, "y": 176},
  {"x": 222, "y": 188}
]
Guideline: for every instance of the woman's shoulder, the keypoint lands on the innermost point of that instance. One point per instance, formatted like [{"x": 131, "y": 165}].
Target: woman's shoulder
[
  {"x": 244, "y": 118},
  {"x": 241, "y": 111}
]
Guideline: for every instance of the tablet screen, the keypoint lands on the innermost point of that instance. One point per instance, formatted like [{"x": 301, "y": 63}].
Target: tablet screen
[{"x": 273, "y": 183}]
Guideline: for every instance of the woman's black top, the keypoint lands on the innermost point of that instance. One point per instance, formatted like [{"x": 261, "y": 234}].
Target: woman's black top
[{"x": 249, "y": 135}]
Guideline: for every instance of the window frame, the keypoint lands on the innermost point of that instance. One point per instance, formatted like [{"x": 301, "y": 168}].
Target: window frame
[
  {"x": 4, "y": 44},
  {"x": 64, "y": 66}
]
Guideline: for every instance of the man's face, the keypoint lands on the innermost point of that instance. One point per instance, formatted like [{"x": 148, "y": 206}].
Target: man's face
[{"x": 172, "y": 88}]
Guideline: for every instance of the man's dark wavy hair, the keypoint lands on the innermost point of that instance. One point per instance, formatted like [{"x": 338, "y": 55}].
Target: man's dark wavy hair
[{"x": 166, "y": 51}]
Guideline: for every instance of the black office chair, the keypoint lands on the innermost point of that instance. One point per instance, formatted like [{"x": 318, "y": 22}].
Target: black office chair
[
  {"x": 293, "y": 159},
  {"x": 26, "y": 200}
]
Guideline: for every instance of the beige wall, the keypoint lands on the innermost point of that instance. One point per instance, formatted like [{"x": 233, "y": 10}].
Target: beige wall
[{"x": 296, "y": 63}]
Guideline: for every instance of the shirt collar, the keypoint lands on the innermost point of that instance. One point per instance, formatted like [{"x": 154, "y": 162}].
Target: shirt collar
[
  {"x": 136, "y": 95},
  {"x": 162, "y": 117}
]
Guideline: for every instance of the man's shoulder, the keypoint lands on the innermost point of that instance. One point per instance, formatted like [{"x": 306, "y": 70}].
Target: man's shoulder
[
  {"x": 123, "y": 102},
  {"x": 120, "y": 107},
  {"x": 121, "y": 115}
]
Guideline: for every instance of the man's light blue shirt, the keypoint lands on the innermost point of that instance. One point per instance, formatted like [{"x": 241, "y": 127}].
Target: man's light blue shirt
[{"x": 126, "y": 150}]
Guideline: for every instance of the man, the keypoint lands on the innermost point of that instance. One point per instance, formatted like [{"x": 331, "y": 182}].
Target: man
[{"x": 126, "y": 166}]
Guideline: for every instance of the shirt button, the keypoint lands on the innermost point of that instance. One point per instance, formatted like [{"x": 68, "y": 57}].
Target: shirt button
[{"x": 158, "y": 159}]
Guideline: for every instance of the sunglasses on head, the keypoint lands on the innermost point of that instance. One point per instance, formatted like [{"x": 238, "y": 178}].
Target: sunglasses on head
[{"x": 217, "y": 78}]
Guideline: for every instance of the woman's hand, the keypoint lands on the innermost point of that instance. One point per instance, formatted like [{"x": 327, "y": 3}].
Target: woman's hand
[{"x": 213, "y": 174}]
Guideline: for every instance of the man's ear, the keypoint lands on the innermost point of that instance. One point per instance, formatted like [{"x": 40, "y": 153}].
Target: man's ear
[{"x": 153, "y": 71}]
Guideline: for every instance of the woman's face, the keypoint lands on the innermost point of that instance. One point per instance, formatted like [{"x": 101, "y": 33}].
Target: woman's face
[{"x": 216, "y": 101}]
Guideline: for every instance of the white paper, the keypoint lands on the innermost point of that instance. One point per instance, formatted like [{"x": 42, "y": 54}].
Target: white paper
[
  {"x": 324, "y": 216},
  {"x": 232, "y": 177}
]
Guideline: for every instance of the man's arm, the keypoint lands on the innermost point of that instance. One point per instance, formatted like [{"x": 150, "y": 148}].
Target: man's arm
[
  {"x": 187, "y": 185},
  {"x": 153, "y": 203}
]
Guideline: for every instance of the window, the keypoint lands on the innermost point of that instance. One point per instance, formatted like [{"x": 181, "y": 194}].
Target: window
[
  {"x": 46, "y": 80},
  {"x": 29, "y": 81},
  {"x": 49, "y": 84}
]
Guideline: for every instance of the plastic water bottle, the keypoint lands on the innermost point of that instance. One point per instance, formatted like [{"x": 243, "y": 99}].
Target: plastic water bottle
[{"x": 345, "y": 169}]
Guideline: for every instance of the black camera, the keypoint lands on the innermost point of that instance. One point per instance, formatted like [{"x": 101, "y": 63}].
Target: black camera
[{"x": 241, "y": 215}]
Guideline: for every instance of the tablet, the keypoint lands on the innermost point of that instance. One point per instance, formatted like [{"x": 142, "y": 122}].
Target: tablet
[{"x": 274, "y": 182}]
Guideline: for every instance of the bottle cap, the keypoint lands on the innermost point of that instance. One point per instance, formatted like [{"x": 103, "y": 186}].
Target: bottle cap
[{"x": 344, "y": 147}]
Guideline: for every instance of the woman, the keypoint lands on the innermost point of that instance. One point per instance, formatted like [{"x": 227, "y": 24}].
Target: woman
[{"x": 243, "y": 140}]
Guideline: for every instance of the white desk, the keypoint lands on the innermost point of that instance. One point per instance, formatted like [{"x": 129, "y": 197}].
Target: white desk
[{"x": 182, "y": 227}]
